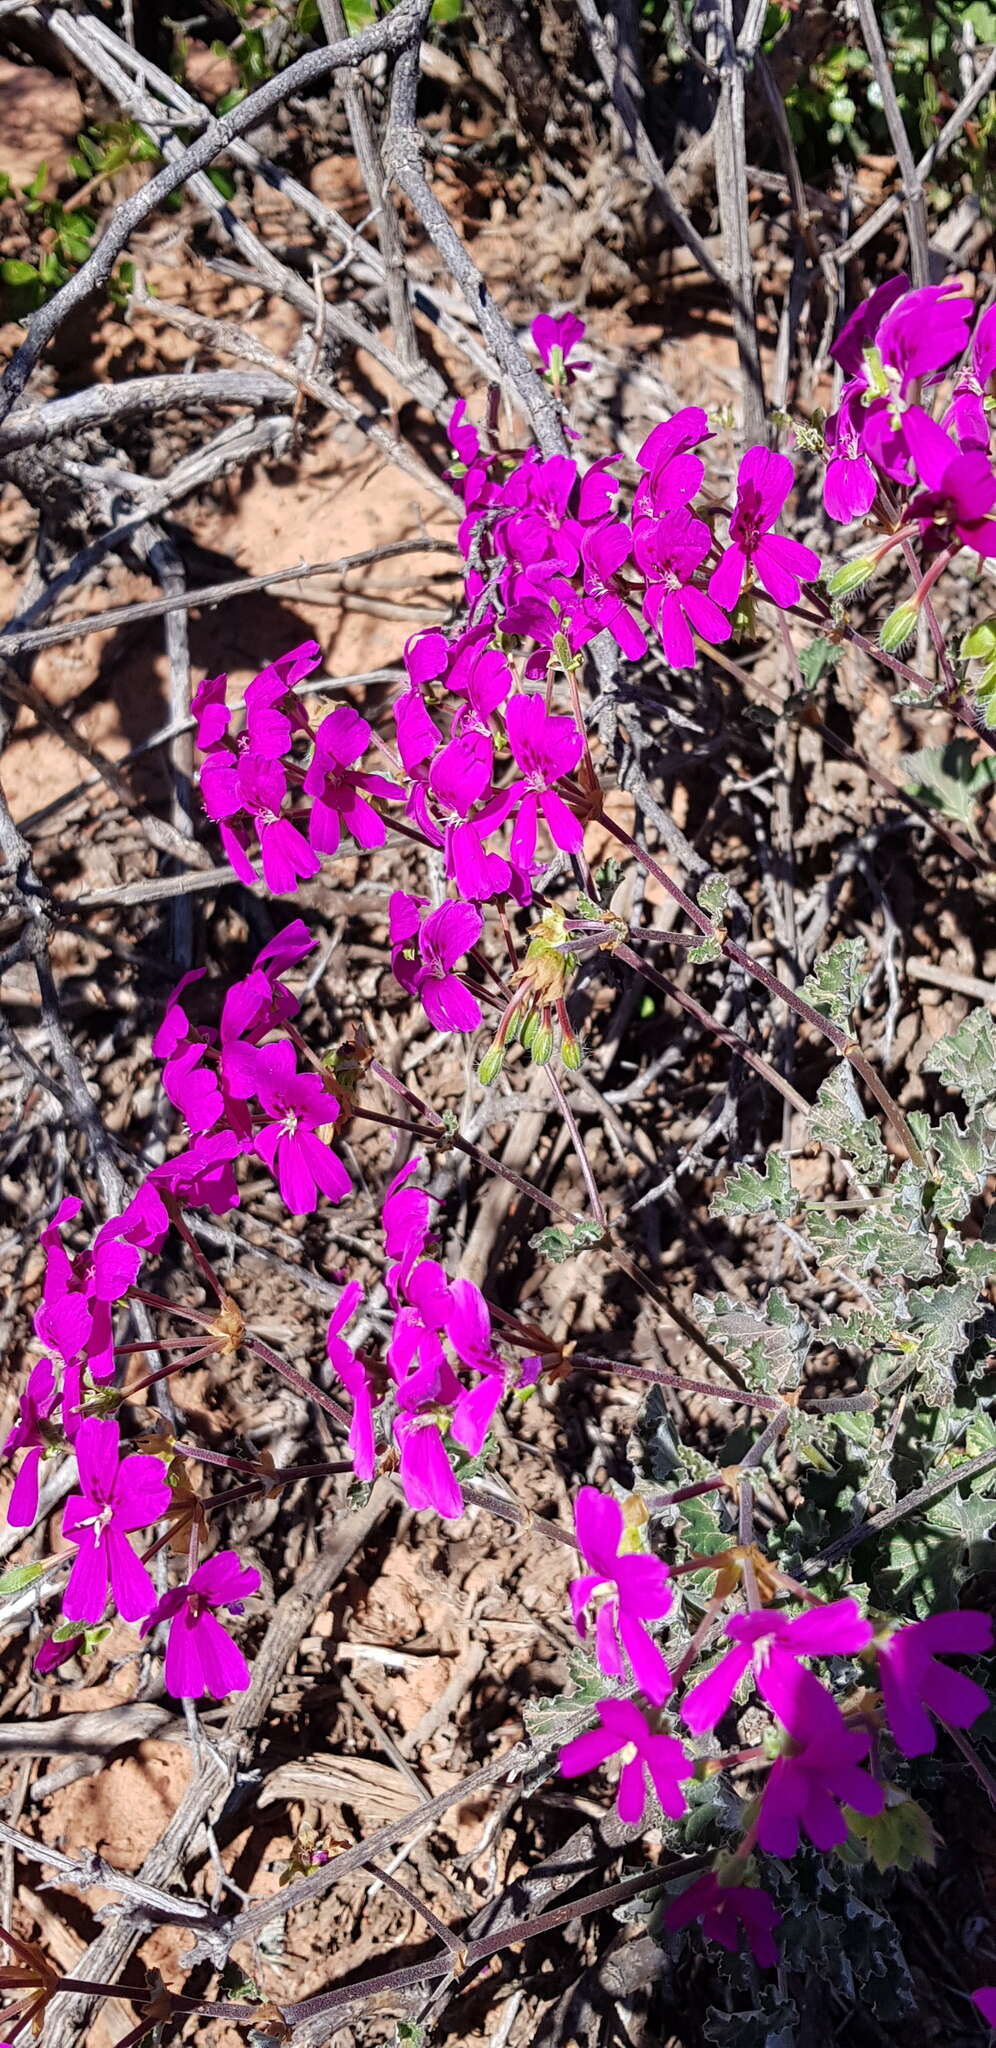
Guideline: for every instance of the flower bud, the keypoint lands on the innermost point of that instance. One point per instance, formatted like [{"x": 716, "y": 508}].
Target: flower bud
[
  {"x": 491, "y": 1065},
  {"x": 572, "y": 1053},
  {"x": 850, "y": 576},
  {"x": 542, "y": 1044},
  {"x": 899, "y": 627}
]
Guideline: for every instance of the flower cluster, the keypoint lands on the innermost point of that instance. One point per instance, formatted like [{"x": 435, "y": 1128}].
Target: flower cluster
[
  {"x": 490, "y": 765},
  {"x": 444, "y": 1378},
  {"x": 882, "y": 439},
  {"x": 119, "y": 1492},
  {"x": 816, "y": 1766},
  {"x": 285, "y": 791},
  {"x": 490, "y": 772},
  {"x": 241, "y": 1090}
]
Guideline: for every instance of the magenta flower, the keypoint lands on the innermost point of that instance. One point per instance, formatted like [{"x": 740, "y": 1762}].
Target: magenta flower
[
  {"x": 50, "y": 1654},
  {"x": 461, "y": 774},
  {"x": 426, "y": 1400},
  {"x": 859, "y": 331},
  {"x": 405, "y": 1217},
  {"x": 807, "y": 1787},
  {"x": 725, "y": 1910},
  {"x": 356, "y": 1381},
  {"x": 246, "y": 795},
  {"x": 174, "y": 1031},
  {"x": 669, "y": 551},
  {"x": 295, "y": 1108},
  {"x": 211, "y": 712},
  {"x": 261, "y": 1002},
  {"x": 675, "y": 474},
  {"x": 200, "y": 1654},
  {"x": 915, "y": 1684},
  {"x": 850, "y": 483},
  {"x": 772, "y": 1644},
  {"x": 118, "y": 1495},
  {"x": 467, "y": 1322},
  {"x": 463, "y": 436},
  {"x": 273, "y": 713},
  {"x": 464, "y": 1314},
  {"x": 986, "y": 2002},
  {"x": 916, "y": 334},
  {"x": 540, "y": 527},
  {"x": 644, "y": 1755},
  {"x": 817, "y": 1772},
  {"x": 922, "y": 332},
  {"x": 341, "y": 792},
  {"x": 481, "y": 672},
  {"x": 194, "y": 1088},
  {"x": 75, "y": 1318},
  {"x": 554, "y": 338},
  {"x": 956, "y": 506},
  {"x": 966, "y": 416},
  {"x": 416, "y": 733},
  {"x": 28, "y": 1434},
  {"x": 779, "y": 564},
  {"x": 544, "y": 748},
  {"x": 637, "y": 1589},
  {"x": 424, "y": 954},
  {"x": 203, "y": 1177}
]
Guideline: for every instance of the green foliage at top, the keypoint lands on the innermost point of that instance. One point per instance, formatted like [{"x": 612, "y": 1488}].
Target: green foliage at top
[{"x": 61, "y": 230}]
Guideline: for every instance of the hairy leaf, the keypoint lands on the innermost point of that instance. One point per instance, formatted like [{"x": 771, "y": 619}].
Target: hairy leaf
[
  {"x": 837, "y": 1119},
  {"x": 834, "y": 986},
  {"x": 950, "y": 779},
  {"x": 966, "y": 1059},
  {"x": 749, "y": 1193},
  {"x": 769, "y": 1340}
]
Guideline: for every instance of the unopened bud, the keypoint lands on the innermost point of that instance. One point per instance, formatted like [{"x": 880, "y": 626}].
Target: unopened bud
[
  {"x": 491, "y": 1065},
  {"x": 980, "y": 643},
  {"x": 899, "y": 627},
  {"x": 542, "y": 1045},
  {"x": 528, "y": 1022},
  {"x": 850, "y": 576},
  {"x": 572, "y": 1053},
  {"x": 745, "y": 617}
]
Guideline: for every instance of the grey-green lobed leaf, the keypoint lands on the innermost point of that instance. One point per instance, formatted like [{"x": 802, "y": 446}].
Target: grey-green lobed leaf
[
  {"x": 837, "y": 1119},
  {"x": 769, "y": 1340},
  {"x": 962, "y": 1158},
  {"x": 950, "y": 779},
  {"x": 750, "y": 1193},
  {"x": 966, "y": 1060},
  {"x": 834, "y": 985}
]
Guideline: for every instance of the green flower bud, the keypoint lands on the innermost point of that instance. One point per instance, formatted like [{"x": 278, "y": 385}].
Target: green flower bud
[
  {"x": 851, "y": 576},
  {"x": 980, "y": 643},
  {"x": 572, "y": 1053},
  {"x": 542, "y": 1045},
  {"x": 899, "y": 627},
  {"x": 491, "y": 1065}
]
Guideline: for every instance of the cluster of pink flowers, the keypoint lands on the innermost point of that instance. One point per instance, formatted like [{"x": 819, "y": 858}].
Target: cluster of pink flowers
[
  {"x": 487, "y": 767},
  {"x": 489, "y": 770},
  {"x": 119, "y": 1492},
  {"x": 240, "y": 1090},
  {"x": 444, "y": 1378},
  {"x": 817, "y": 1772},
  {"x": 285, "y": 791},
  {"x": 883, "y": 441}
]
